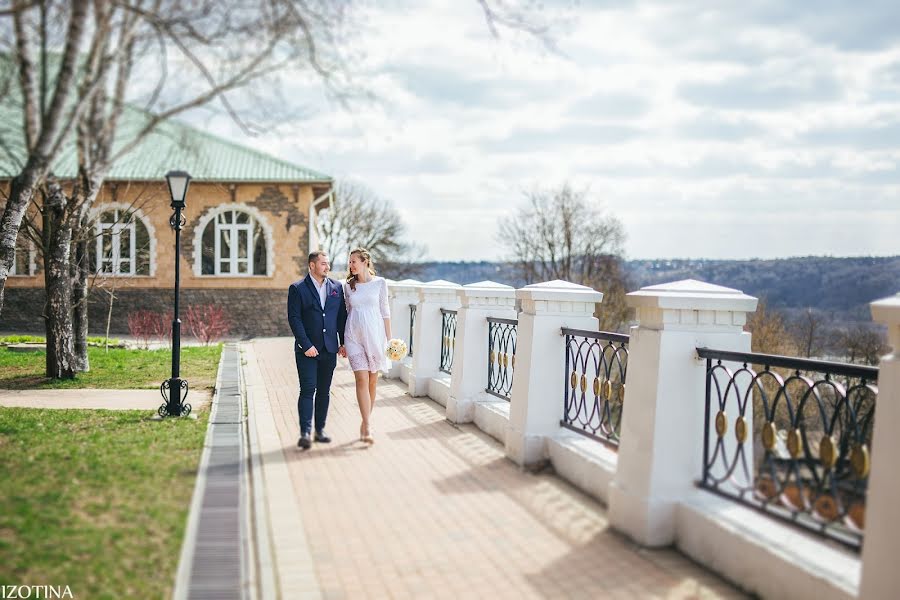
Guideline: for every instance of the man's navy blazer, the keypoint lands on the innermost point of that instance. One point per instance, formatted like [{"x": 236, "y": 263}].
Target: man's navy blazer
[{"x": 313, "y": 325}]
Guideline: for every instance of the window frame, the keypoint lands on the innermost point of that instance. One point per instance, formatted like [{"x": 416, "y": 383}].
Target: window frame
[
  {"x": 116, "y": 229},
  {"x": 115, "y": 260},
  {"x": 32, "y": 263},
  {"x": 234, "y": 229}
]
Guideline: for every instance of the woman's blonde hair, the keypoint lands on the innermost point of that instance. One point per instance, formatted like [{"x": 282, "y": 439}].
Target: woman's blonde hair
[{"x": 364, "y": 255}]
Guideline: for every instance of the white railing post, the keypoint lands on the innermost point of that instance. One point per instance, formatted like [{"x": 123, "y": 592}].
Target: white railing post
[
  {"x": 880, "y": 576},
  {"x": 433, "y": 296},
  {"x": 402, "y": 294},
  {"x": 536, "y": 400},
  {"x": 478, "y": 301},
  {"x": 661, "y": 442}
]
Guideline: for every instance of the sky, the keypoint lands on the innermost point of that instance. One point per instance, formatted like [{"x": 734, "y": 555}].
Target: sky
[{"x": 710, "y": 129}]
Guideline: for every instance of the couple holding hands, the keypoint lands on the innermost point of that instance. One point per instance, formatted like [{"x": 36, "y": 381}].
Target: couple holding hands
[{"x": 329, "y": 318}]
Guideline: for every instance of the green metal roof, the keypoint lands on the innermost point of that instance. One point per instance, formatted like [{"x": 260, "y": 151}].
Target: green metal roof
[{"x": 171, "y": 145}]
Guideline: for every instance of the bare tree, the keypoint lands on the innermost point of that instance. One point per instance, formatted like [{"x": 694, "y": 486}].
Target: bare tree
[
  {"x": 44, "y": 124},
  {"x": 360, "y": 218},
  {"x": 864, "y": 344},
  {"x": 809, "y": 332},
  {"x": 563, "y": 234},
  {"x": 226, "y": 48},
  {"x": 769, "y": 332},
  {"x": 205, "y": 51}
]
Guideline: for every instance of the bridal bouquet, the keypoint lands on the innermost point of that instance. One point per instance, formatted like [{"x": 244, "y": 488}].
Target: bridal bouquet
[{"x": 396, "y": 349}]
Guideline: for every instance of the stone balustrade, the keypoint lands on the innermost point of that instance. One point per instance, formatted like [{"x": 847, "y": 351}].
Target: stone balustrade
[{"x": 650, "y": 481}]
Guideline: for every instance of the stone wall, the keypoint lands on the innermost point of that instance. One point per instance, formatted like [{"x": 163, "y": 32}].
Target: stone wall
[
  {"x": 252, "y": 312},
  {"x": 22, "y": 310}
]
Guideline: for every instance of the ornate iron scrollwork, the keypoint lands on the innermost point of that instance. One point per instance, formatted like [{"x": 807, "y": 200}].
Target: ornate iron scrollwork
[{"x": 174, "y": 406}]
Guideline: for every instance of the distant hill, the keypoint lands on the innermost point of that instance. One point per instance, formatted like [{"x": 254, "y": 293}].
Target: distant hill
[{"x": 842, "y": 287}]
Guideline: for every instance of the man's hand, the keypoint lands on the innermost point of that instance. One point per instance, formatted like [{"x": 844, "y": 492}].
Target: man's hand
[
  {"x": 312, "y": 352},
  {"x": 342, "y": 352}
]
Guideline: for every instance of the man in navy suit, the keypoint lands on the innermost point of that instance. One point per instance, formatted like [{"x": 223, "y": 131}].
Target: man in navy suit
[{"x": 317, "y": 315}]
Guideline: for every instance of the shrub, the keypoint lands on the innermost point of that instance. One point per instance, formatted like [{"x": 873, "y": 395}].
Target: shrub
[
  {"x": 162, "y": 329},
  {"x": 207, "y": 322},
  {"x": 143, "y": 326}
]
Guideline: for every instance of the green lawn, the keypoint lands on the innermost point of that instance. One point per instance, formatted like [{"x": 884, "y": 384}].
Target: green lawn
[
  {"x": 39, "y": 339},
  {"x": 117, "y": 369},
  {"x": 96, "y": 500}
]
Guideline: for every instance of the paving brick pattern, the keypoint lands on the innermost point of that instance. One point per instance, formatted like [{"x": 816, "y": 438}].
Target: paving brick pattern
[{"x": 434, "y": 510}]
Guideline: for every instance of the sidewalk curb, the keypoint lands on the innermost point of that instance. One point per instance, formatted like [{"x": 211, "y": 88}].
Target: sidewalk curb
[
  {"x": 262, "y": 578},
  {"x": 275, "y": 502}
]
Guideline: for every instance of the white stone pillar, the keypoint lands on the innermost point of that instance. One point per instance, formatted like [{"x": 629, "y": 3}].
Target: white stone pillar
[
  {"x": 880, "y": 575},
  {"x": 478, "y": 301},
  {"x": 536, "y": 400},
  {"x": 402, "y": 295},
  {"x": 426, "y": 360},
  {"x": 661, "y": 443}
]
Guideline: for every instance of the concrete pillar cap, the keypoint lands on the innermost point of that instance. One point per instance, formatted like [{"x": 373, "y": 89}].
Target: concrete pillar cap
[
  {"x": 887, "y": 312},
  {"x": 486, "y": 289},
  {"x": 559, "y": 291},
  {"x": 439, "y": 291},
  {"x": 441, "y": 283},
  {"x": 690, "y": 294}
]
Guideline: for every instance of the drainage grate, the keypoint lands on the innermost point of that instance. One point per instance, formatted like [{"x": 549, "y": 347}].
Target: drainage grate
[{"x": 216, "y": 570}]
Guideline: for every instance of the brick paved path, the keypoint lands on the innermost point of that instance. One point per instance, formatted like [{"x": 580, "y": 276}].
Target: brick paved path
[{"x": 434, "y": 510}]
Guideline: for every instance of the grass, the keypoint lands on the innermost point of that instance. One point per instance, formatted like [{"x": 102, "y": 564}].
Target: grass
[
  {"x": 117, "y": 369},
  {"x": 39, "y": 339},
  {"x": 96, "y": 500}
]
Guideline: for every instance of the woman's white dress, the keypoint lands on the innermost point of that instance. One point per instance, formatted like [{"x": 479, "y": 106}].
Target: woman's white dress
[{"x": 364, "y": 337}]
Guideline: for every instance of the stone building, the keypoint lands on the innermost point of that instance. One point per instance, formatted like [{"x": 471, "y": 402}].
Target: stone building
[{"x": 250, "y": 224}]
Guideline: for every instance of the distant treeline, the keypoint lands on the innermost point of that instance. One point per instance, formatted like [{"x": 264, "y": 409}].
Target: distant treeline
[{"x": 839, "y": 287}]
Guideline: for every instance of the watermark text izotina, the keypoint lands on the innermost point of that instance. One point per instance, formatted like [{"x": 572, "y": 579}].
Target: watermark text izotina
[{"x": 34, "y": 592}]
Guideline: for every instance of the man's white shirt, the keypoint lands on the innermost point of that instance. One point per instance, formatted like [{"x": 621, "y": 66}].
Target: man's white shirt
[{"x": 323, "y": 289}]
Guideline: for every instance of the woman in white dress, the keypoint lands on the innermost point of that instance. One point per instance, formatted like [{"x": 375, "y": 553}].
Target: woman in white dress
[{"x": 367, "y": 333}]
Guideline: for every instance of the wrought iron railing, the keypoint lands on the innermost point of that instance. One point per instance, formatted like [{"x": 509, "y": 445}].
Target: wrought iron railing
[
  {"x": 501, "y": 356},
  {"x": 791, "y": 437},
  {"x": 448, "y": 339},
  {"x": 596, "y": 364},
  {"x": 412, "y": 328}
]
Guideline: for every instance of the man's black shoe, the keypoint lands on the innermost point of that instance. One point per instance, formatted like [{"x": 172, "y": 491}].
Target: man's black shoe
[
  {"x": 304, "y": 441},
  {"x": 322, "y": 437}
]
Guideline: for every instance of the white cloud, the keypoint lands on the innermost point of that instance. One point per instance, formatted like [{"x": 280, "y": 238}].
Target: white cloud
[{"x": 734, "y": 129}]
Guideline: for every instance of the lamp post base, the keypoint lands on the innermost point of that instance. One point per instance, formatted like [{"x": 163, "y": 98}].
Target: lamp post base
[{"x": 174, "y": 392}]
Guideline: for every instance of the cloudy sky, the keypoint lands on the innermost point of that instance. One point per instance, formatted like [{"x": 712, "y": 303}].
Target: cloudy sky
[{"x": 711, "y": 129}]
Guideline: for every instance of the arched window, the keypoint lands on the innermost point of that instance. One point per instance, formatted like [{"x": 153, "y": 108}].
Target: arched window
[
  {"x": 234, "y": 243},
  {"x": 123, "y": 243},
  {"x": 23, "y": 256}
]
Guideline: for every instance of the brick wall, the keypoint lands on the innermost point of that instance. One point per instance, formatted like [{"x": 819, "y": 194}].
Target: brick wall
[
  {"x": 22, "y": 310},
  {"x": 252, "y": 312}
]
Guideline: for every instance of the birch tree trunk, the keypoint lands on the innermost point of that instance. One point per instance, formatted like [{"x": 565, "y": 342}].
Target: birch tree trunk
[
  {"x": 44, "y": 126},
  {"x": 83, "y": 197},
  {"x": 58, "y": 284},
  {"x": 80, "y": 306},
  {"x": 21, "y": 191}
]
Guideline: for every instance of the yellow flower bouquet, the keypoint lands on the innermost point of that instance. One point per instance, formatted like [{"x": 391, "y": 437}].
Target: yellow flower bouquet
[{"x": 396, "y": 349}]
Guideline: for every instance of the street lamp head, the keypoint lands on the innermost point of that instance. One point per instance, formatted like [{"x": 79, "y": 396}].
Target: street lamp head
[{"x": 178, "y": 186}]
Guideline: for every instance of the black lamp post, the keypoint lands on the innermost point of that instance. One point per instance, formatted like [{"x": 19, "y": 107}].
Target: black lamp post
[{"x": 175, "y": 390}]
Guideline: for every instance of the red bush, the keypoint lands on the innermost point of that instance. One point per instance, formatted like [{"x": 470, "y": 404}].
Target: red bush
[
  {"x": 207, "y": 322},
  {"x": 163, "y": 329},
  {"x": 143, "y": 326}
]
